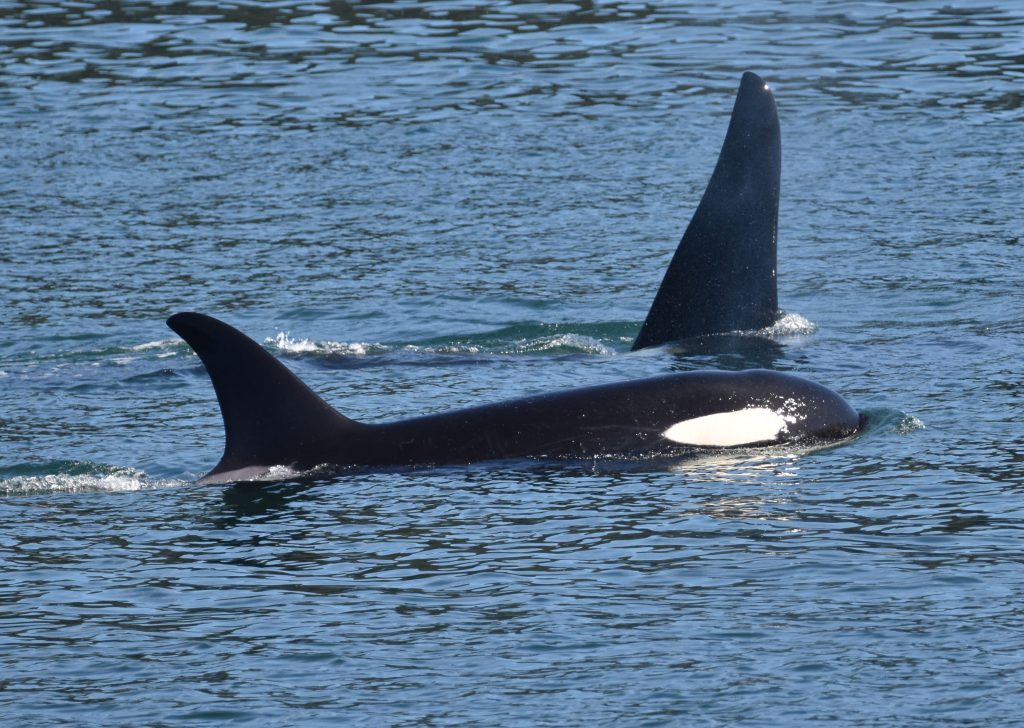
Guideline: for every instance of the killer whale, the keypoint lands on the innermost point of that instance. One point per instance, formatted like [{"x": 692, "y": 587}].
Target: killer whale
[
  {"x": 271, "y": 418},
  {"x": 722, "y": 277}
]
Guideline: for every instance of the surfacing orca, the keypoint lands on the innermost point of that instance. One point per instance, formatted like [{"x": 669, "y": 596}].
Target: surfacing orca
[
  {"x": 271, "y": 418},
  {"x": 722, "y": 277}
]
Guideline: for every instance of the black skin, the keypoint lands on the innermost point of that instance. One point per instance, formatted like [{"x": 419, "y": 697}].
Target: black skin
[
  {"x": 273, "y": 418},
  {"x": 722, "y": 277}
]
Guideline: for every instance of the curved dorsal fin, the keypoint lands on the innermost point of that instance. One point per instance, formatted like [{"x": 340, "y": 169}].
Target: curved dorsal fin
[
  {"x": 270, "y": 416},
  {"x": 722, "y": 277}
]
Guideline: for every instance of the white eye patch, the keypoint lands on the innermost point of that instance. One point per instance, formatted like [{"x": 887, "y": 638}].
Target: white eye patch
[{"x": 729, "y": 429}]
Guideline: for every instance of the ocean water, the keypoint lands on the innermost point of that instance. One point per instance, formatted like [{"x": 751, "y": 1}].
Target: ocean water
[{"x": 426, "y": 205}]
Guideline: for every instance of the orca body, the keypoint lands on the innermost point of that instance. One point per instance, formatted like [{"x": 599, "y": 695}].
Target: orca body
[
  {"x": 271, "y": 418},
  {"x": 722, "y": 277}
]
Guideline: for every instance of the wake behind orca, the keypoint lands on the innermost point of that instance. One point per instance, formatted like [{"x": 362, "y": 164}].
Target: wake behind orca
[{"x": 721, "y": 279}]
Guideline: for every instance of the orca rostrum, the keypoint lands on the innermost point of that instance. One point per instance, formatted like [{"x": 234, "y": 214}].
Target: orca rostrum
[
  {"x": 722, "y": 277},
  {"x": 271, "y": 418}
]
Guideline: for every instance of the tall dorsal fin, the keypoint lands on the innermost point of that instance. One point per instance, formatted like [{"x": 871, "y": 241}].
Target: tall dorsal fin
[
  {"x": 722, "y": 277},
  {"x": 270, "y": 416}
]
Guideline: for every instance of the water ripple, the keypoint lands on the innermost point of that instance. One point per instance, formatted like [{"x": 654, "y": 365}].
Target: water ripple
[
  {"x": 353, "y": 63},
  {"x": 485, "y": 194}
]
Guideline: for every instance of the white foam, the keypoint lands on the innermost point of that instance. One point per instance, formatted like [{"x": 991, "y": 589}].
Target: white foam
[
  {"x": 286, "y": 343},
  {"x": 122, "y": 480},
  {"x": 307, "y": 346},
  {"x": 730, "y": 429},
  {"x": 790, "y": 324},
  {"x": 575, "y": 342},
  {"x": 579, "y": 342},
  {"x": 908, "y": 424},
  {"x": 162, "y": 344}
]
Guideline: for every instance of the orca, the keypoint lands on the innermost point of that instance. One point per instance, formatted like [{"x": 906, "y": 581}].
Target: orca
[
  {"x": 722, "y": 278},
  {"x": 271, "y": 418}
]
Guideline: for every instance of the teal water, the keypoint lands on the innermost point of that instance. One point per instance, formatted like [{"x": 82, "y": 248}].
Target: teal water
[{"x": 422, "y": 206}]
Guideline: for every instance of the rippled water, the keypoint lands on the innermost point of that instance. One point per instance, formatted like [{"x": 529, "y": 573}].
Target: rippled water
[{"x": 428, "y": 205}]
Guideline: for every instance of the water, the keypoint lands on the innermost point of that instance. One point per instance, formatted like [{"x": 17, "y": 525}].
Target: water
[{"x": 421, "y": 206}]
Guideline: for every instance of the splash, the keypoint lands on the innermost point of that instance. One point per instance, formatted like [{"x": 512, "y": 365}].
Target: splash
[
  {"x": 789, "y": 324},
  {"x": 885, "y": 421},
  {"x": 161, "y": 344},
  {"x": 908, "y": 424},
  {"x": 563, "y": 343},
  {"x": 284, "y": 342},
  {"x": 83, "y": 478},
  {"x": 566, "y": 343}
]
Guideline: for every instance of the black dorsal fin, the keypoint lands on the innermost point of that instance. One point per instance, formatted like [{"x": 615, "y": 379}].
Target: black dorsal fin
[
  {"x": 270, "y": 416},
  {"x": 722, "y": 277}
]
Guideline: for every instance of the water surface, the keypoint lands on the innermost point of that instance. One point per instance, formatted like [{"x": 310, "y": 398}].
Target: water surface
[{"x": 420, "y": 206}]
